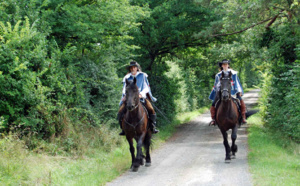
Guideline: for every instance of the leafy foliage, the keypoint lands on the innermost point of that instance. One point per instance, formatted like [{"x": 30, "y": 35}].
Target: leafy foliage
[
  {"x": 59, "y": 66},
  {"x": 61, "y": 61}
]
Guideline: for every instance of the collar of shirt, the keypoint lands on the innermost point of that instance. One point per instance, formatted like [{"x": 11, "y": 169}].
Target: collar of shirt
[{"x": 137, "y": 73}]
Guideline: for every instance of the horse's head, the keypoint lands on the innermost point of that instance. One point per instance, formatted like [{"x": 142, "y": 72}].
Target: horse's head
[
  {"x": 225, "y": 81},
  {"x": 132, "y": 95}
]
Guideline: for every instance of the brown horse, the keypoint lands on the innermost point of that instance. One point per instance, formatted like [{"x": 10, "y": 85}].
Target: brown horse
[
  {"x": 135, "y": 126},
  {"x": 227, "y": 116}
]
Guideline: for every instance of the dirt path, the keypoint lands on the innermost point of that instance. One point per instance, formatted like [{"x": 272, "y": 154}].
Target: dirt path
[{"x": 195, "y": 156}]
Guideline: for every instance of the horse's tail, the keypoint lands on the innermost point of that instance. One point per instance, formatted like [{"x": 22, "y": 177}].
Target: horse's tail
[{"x": 251, "y": 112}]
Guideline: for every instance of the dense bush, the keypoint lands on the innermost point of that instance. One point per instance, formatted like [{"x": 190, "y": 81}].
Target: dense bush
[
  {"x": 59, "y": 67},
  {"x": 281, "y": 102}
]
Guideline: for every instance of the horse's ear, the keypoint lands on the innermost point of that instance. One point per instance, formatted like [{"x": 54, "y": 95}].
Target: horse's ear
[
  {"x": 230, "y": 74},
  {"x": 222, "y": 74},
  {"x": 134, "y": 80},
  {"x": 126, "y": 81}
]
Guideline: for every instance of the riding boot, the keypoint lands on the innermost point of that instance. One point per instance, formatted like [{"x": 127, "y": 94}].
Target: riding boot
[
  {"x": 119, "y": 117},
  {"x": 243, "y": 111},
  {"x": 152, "y": 118},
  {"x": 213, "y": 115}
]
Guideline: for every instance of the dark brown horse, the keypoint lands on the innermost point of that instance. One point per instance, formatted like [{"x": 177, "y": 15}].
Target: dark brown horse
[
  {"x": 135, "y": 126},
  {"x": 227, "y": 116}
]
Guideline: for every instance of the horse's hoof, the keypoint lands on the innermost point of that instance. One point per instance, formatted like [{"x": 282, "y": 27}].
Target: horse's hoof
[
  {"x": 227, "y": 160},
  {"x": 135, "y": 169},
  {"x": 148, "y": 164},
  {"x": 232, "y": 156}
]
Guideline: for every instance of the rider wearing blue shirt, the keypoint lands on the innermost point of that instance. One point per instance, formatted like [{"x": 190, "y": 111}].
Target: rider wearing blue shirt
[
  {"x": 236, "y": 89},
  {"x": 134, "y": 70}
]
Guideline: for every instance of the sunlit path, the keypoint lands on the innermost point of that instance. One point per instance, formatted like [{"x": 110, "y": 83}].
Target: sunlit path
[{"x": 195, "y": 156}]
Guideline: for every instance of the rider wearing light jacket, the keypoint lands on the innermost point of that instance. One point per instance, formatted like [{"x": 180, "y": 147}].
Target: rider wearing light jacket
[
  {"x": 236, "y": 89},
  {"x": 145, "y": 92}
]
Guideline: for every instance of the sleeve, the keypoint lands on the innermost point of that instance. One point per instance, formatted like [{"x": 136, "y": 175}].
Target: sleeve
[
  {"x": 145, "y": 88},
  {"x": 124, "y": 89},
  {"x": 123, "y": 93},
  {"x": 239, "y": 86},
  {"x": 215, "y": 88},
  {"x": 217, "y": 83}
]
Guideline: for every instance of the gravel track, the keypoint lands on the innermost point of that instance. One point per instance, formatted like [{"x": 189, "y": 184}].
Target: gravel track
[{"x": 194, "y": 156}]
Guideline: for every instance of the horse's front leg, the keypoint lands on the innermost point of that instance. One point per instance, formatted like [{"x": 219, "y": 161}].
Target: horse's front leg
[
  {"x": 131, "y": 149},
  {"x": 227, "y": 147},
  {"x": 139, "y": 158},
  {"x": 234, "y": 147}
]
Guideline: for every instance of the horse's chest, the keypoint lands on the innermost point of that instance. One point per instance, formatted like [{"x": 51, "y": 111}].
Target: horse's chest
[{"x": 226, "y": 118}]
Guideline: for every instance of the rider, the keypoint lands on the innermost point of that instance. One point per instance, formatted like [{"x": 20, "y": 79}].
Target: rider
[
  {"x": 134, "y": 70},
  {"x": 236, "y": 88}
]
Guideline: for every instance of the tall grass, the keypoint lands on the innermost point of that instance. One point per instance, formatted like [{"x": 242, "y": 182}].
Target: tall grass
[
  {"x": 101, "y": 156},
  {"x": 273, "y": 159}
]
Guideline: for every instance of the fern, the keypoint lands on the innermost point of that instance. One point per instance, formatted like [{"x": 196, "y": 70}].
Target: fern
[
  {"x": 16, "y": 28},
  {"x": 9, "y": 30},
  {"x": 27, "y": 25},
  {"x": 3, "y": 28}
]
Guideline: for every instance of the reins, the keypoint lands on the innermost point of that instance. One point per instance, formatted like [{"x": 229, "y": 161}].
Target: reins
[{"x": 134, "y": 126}]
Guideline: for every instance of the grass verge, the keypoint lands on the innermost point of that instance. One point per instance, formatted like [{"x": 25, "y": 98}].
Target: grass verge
[
  {"x": 273, "y": 159},
  {"x": 20, "y": 166}
]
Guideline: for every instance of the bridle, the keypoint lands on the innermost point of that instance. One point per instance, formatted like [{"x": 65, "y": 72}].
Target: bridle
[
  {"x": 225, "y": 89},
  {"x": 135, "y": 107}
]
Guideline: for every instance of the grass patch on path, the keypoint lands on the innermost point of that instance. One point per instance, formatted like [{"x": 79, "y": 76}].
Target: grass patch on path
[{"x": 273, "y": 159}]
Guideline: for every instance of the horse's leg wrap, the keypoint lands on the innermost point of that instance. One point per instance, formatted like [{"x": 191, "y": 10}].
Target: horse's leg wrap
[{"x": 243, "y": 111}]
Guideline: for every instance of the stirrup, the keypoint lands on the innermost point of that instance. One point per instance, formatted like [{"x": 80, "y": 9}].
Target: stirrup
[
  {"x": 154, "y": 131},
  {"x": 122, "y": 133},
  {"x": 244, "y": 121},
  {"x": 212, "y": 122}
]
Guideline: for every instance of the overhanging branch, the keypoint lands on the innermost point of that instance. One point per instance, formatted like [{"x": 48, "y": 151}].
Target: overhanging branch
[{"x": 244, "y": 28}]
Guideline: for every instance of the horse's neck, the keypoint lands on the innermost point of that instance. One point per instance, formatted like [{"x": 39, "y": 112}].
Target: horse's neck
[
  {"x": 136, "y": 113},
  {"x": 226, "y": 106}
]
